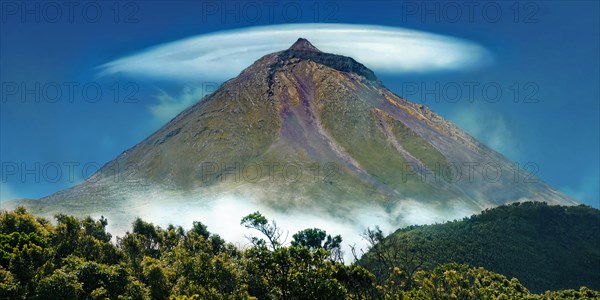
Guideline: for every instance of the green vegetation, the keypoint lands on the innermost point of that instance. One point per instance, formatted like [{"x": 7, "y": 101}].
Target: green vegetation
[
  {"x": 75, "y": 259},
  {"x": 433, "y": 159},
  {"x": 354, "y": 126},
  {"x": 545, "y": 247}
]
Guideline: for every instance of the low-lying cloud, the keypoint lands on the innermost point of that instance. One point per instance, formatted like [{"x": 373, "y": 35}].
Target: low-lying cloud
[
  {"x": 222, "y": 55},
  {"x": 222, "y": 213}
]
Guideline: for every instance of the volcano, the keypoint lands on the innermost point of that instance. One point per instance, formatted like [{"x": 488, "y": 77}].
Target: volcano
[{"x": 304, "y": 130}]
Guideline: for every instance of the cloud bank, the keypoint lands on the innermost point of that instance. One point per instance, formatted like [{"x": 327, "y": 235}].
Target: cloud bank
[
  {"x": 222, "y": 55},
  {"x": 222, "y": 213}
]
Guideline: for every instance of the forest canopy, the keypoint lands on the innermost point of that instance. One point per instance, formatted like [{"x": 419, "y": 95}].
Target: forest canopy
[
  {"x": 78, "y": 259},
  {"x": 545, "y": 247}
]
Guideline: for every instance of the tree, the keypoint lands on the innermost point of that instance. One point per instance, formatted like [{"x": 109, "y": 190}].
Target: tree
[
  {"x": 270, "y": 230},
  {"x": 312, "y": 238},
  {"x": 144, "y": 240},
  {"x": 157, "y": 277},
  {"x": 9, "y": 286},
  {"x": 135, "y": 290},
  {"x": 395, "y": 258},
  {"x": 66, "y": 235},
  {"x": 149, "y": 236},
  {"x": 315, "y": 238},
  {"x": 26, "y": 261},
  {"x": 454, "y": 281},
  {"x": 153, "y": 263},
  {"x": 60, "y": 286}
]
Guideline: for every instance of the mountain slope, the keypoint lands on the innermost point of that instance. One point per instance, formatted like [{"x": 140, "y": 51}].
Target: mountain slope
[
  {"x": 545, "y": 247},
  {"x": 303, "y": 130}
]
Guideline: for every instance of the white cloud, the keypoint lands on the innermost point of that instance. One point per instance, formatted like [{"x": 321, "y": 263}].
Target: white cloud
[
  {"x": 222, "y": 55},
  {"x": 222, "y": 213},
  {"x": 490, "y": 128},
  {"x": 169, "y": 106}
]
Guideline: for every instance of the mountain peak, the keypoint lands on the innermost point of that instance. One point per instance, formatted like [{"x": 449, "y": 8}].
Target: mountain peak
[
  {"x": 303, "y": 44},
  {"x": 303, "y": 49}
]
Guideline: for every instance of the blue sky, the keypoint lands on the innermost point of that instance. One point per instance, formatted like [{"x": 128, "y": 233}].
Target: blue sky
[{"x": 68, "y": 105}]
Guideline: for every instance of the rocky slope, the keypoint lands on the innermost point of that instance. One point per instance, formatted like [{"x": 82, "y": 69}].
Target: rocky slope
[{"x": 303, "y": 129}]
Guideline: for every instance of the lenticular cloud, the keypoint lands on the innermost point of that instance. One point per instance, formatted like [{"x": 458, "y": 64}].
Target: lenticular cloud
[{"x": 222, "y": 55}]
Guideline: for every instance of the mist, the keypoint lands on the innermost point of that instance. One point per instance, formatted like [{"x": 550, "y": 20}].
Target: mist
[{"x": 223, "y": 212}]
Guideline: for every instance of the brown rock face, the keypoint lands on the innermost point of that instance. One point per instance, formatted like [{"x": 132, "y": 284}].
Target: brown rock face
[{"x": 303, "y": 44}]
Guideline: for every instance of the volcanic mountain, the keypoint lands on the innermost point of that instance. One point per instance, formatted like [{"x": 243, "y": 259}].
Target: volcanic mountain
[{"x": 302, "y": 129}]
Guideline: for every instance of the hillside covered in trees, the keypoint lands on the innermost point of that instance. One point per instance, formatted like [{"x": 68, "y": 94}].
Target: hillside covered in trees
[
  {"x": 78, "y": 259},
  {"x": 545, "y": 247}
]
